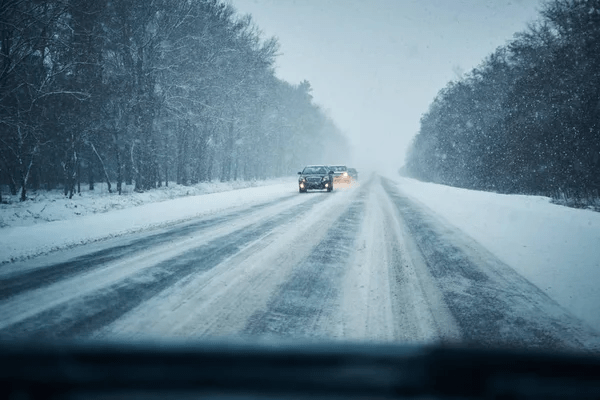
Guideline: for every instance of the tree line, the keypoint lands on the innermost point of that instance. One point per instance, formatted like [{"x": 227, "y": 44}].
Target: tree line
[
  {"x": 145, "y": 92},
  {"x": 527, "y": 120}
]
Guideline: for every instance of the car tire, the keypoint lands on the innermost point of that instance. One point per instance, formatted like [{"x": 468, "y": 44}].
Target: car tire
[{"x": 330, "y": 188}]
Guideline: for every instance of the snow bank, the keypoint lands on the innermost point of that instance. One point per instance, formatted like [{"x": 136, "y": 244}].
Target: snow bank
[
  {"x": 555, "y": 247},
  {"x": 17, "y": 242},
  {"x": 47, "y": 206}
]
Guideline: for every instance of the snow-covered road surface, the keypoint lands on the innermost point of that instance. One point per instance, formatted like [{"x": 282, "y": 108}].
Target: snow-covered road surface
[{"x": 366, "y": 263}]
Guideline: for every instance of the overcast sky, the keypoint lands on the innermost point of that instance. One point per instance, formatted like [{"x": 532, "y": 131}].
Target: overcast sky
[{"x": 376, "y": 65}]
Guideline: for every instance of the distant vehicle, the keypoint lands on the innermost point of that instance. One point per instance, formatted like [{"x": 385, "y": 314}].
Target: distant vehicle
[
  {"x": 353, "y": 173},
  {"x": 315, "y": 177},
  {"x": 340, "y": 174}
]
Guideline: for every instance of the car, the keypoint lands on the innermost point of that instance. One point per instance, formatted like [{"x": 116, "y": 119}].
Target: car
[
  {"x": 340, "y": 174},
  {"x": 315, "y": 177},
  {"x": 353, "y": 173}
]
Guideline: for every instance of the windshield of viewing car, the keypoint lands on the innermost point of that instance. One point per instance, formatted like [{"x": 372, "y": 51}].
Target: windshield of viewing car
[{"x": 150, "y": 150}]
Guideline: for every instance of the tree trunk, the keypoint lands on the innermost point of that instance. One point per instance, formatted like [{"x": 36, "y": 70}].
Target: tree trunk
[
  {"x": 12, "y": 185},
  {"x": 166, "y": 174},
  {"x": 158, "y": 179},
  {"x": 90, "y": 175},
  {"x": 119, "y": 166},
  {"x": 128, "y": 170},
  {"x": 106, "y": 177},
  {"x": 23, "y": 190},
  {"x": 211, "y": 158},
  {"x": 78, "y": 176},
  {"x": 228, "y": 161},
  {"x": 66, "y": 188},
  {"x": 25, "y": 175},
  {"x": 135, "y": 169}
]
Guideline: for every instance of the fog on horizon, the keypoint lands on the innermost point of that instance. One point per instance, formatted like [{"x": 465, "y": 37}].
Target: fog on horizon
[{"x": 376, "y": 66}]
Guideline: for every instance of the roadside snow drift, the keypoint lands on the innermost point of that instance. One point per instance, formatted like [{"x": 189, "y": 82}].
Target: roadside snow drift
[
  {"x": 47, "y": 206},
  {"x": 555, "y": 247},
  {"x": 25, "y": 241}
]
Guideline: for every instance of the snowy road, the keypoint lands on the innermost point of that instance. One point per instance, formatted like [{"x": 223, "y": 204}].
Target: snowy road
[{"x": 366, "y": 263}]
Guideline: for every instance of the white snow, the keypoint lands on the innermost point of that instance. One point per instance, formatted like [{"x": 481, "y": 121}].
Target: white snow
[
  {"x": 219, "y": 302},
  {"x": 554, "y": 247},
  {"x": 74, "y": 289},
  {"x": 26, "y": 238},
  {"x": 45, "y": 206},
  {"x": 372, "y": 285}
]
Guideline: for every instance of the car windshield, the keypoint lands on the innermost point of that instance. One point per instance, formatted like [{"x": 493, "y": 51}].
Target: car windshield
[
  {"x": 314, "y": 170},
  {"x": 150, "y": 150}
]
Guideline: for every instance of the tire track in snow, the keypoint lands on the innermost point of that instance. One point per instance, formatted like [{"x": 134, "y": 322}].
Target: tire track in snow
[
  {"x": 491, "y": 303},
  {"x": 84, "y": 315},
  {"x": 17, "y": 283},
  {"x": 218, "y": 303},
  {"x": 308, "y": 296},
  {"x": 383, "y": 299}
]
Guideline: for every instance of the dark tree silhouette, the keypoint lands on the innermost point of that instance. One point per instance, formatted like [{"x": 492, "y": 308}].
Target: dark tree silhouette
[
  {"x": 527, "y": 120},
  {"x": 143, "y": 93}
]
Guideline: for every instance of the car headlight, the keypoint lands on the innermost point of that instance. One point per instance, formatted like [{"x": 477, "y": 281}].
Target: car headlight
[{"x": 345, "y": 174}]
